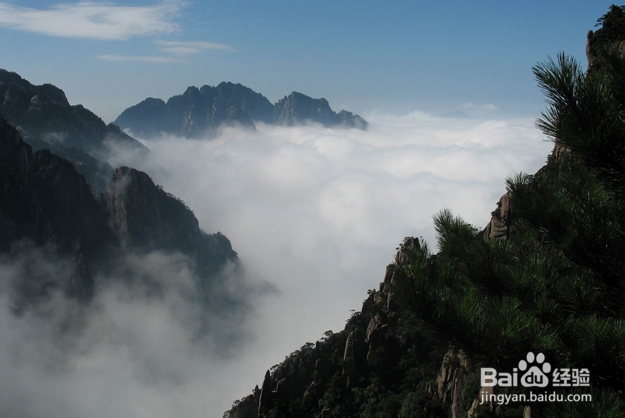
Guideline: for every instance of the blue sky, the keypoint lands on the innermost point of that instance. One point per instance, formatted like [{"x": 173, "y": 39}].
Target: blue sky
[{"x": 392, "y": 56}]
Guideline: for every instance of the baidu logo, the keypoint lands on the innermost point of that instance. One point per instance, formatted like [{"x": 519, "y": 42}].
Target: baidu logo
[{"x": 534, "y": 372}]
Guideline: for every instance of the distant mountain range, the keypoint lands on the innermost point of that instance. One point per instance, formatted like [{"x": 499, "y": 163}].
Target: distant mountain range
[{"x": 200, "y": 112}]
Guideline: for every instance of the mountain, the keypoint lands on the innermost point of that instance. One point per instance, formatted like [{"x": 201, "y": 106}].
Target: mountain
[
  {"x": 46, "y": 201},
  {"x": 200, "y": 112},
  {"x": 97, "y": 173},
  {"x": 197, "y": 111},
  {"x": 21, "y": 214},
  {"x": 542, "y": 285},
  {"x": 43, "y": 112},
  {"x": 297, "y": 108},
  {"x": 45, "y": 119},
  {"x": 148, "y": 218}
]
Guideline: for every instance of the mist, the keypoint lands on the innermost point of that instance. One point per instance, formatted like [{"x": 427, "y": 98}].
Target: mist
[
  {"x": 315, "y": 215},
  {"x": 148, "y": 345}
]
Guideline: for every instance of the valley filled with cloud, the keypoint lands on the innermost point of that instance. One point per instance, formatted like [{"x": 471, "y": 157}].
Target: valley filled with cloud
[
  {"x": 318, "y": 212},
  {"x": 315, "y": 215}
]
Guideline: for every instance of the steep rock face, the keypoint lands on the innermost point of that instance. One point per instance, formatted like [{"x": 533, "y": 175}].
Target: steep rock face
[
  {"x": 47, "y": 209},
  {"x": 81, "y": 285},
  {"x": 500, "y": 225},
  {"x": 43, "y": 112},
  {"x": 349, "y": 120},
  {"x": 79, "y": 223},
  {"x": 45, "y": 199},
  {"x": 148, "y": 218},
  {"x": 148, "y": 118},
  {"x": 200, "y": 112}
]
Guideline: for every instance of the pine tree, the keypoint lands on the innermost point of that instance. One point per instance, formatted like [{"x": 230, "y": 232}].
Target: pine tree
[{"x": 557, "y": 286}]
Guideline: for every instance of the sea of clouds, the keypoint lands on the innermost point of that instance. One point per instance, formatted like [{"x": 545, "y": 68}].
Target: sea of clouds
[{"x": 316, "y": 212}]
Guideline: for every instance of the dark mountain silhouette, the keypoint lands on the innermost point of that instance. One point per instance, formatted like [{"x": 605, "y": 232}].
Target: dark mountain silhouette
[
  {"x": 43, "y": 112},
  {"x": 147, "y": 218},
  {"x": 45, "y": 200},
  {"x": 46, "y": 120}
]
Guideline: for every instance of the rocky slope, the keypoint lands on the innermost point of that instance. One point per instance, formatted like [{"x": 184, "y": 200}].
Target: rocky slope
[
  {"x": 147, "y": 218},
  {"x": 43, "y": 113},
  {"x": 200, "y": 112},
  {"x": 374, "y": 365}
]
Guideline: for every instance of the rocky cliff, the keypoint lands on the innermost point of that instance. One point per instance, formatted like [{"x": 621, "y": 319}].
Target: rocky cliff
[
  {"x": 367, "y": 369},
  {"x": 148, "y": 218},
  {"x": 200, "y": 112}
]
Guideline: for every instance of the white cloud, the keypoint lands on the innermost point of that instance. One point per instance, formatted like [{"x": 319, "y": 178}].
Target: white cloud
[
  {"x": 188, "y": 48},
  {"x": 316, "y": 211},
  {"x": 146, "y": 347},
  {"x": 176, "y": 48},
  {"x": 91, "y": 20},
  {"x": 125, "y": 58},
  {"x": 488, "y": 107},
  {"x": 319, "y": 211}
]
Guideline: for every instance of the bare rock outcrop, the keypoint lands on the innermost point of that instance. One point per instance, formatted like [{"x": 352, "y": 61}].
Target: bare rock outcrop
[{"x": 500, "y": 225}]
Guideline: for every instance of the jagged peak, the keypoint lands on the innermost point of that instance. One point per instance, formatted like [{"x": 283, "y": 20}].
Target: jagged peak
[{"x": 200, "y": 112}]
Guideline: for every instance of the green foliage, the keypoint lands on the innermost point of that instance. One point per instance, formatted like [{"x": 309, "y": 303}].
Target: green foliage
[
  {"x": 612, "y": 29},
  {"x": 558, "y": 284}
]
